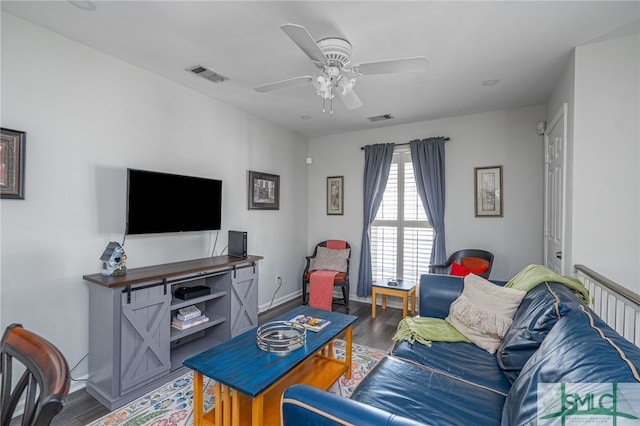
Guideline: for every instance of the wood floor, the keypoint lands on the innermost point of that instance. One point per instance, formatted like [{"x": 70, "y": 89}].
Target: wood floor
[{"x": 81, "y": 408}]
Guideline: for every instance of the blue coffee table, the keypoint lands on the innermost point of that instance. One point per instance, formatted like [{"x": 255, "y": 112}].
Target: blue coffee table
[{"x": 249, "y": 382}]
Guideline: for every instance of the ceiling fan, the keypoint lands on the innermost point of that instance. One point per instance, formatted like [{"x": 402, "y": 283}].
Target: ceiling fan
[{"x": 336, "y": 74}]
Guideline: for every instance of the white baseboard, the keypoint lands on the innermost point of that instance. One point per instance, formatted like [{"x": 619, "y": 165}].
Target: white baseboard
[
  {"x": 279, "y": 301},
  {"x": 392, "y": 302},
  {"x": 78, "y": 383}
]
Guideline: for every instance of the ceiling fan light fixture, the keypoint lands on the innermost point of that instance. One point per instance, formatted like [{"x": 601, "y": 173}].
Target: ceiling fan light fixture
[
  {"x": 322, "y": 84},
  {"x": 346, "y": 84}
]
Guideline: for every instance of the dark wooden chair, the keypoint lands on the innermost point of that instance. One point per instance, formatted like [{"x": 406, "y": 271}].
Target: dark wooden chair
[
  {"x": 341, "y": 280},
  {"x": 461, "y": 257},
  {"x": 44, "y": 383}
]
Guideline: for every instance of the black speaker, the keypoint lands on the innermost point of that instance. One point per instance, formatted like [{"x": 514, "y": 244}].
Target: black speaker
[
  {"x": 237, "y": 244},
  {"x": 186, "y": 293}
]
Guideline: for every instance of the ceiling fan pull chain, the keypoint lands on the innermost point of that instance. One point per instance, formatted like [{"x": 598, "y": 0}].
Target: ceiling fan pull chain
[{"x": 331, "y": 96}]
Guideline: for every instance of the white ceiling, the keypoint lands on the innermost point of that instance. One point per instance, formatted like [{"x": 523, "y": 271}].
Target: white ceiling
[{"x": 524, "y": 44}]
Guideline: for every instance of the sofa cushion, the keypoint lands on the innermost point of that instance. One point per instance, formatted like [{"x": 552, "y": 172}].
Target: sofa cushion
[
  {"x": 484, "y": 311},
  {"x": 537, "y": 314},
  {"x": 459, "y": 359},
  {"x": 431, "y": 397},
  {"x": 304, "y": 405},
  {"x": 579, "y": 349}
]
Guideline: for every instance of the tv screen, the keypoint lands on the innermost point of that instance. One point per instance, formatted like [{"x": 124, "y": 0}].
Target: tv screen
[{"x": 163, "y": 202}]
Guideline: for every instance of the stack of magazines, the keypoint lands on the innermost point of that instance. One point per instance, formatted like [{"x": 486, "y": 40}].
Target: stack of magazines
[
  {"x": 188, "y": 317},
  {"x": 311, "y": 323}
]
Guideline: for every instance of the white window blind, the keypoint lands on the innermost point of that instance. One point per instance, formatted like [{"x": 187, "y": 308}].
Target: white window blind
[{"x": 401, "y": 235}]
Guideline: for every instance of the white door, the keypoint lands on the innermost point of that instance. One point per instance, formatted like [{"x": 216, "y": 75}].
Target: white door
[{"x": 555, "y": 144}]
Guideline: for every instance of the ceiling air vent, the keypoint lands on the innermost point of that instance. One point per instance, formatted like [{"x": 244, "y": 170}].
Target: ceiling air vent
[
  {"x": 380, "y": 117},
  {"x": 208, "y": 73}
]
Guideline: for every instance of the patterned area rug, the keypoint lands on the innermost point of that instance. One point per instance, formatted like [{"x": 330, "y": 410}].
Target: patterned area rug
[{"x": 172, "y": 404}]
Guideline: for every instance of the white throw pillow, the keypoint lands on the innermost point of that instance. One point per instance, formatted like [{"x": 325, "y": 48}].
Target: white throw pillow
[
  {"x": 331, "y": 259},
  {"x": 484, "y": 311}
]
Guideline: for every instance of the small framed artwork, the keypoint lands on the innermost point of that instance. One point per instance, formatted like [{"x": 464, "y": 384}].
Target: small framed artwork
[
  {"x": 335, "y": 195},
  {"x": 488, "y": 191},
  {"x": 12, "y": 163},
  {"x": 263, "y": 191}
]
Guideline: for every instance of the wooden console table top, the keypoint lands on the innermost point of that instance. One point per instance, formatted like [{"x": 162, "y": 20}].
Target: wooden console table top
[{"x": 168, "y": 270}]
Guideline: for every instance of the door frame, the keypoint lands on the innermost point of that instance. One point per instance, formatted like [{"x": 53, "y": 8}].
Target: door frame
[{"x": 561, "y": 115}]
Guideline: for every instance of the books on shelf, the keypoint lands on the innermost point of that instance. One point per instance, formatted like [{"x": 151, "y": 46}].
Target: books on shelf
[
  {"x": 188, "y": 312},
  {"x": 311, "y": 323},
  {"x": 185, "y": 324}
]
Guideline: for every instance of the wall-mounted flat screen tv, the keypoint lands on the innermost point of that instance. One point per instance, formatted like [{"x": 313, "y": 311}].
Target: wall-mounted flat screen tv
[{"x": 163, "y": 202}]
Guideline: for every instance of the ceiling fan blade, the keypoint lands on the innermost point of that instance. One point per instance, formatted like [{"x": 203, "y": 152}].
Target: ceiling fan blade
[
  {"x": 303, "y": 39},
  {"x": 284, "y": 83},
  {"x": 350, "y": 99},
  {"x": 418, "y": 63}
]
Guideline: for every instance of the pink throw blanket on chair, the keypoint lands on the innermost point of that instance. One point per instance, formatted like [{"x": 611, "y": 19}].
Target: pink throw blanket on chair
[{"x": 321, "y": 289}]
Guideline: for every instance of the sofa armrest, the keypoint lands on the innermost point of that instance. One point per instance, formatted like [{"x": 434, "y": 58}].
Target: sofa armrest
[
  {"x": 437, "y": 292},
  {"x": 304, "y": 405}
]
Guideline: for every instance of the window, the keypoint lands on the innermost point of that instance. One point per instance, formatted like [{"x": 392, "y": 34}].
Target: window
[{"x": 401, "y": 235}]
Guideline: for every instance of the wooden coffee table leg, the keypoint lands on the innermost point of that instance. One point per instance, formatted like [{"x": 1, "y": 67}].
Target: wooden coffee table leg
[
  {"x": 217, "y": 408},
  {"x": 257, "y": 411},
  {"x": 197, "y": 398},
  {"x": 235, "y": 408},
  {"x": 347, "y": 355},
  {"x": 227, "y": 405}
]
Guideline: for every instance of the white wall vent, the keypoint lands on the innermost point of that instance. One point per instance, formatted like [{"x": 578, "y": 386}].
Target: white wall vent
[
  {"x": 208, "y": 73},
  {"x": 380, "y": 117}
]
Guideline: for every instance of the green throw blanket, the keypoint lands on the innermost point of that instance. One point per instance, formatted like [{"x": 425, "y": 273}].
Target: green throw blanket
[
  {"x": 425, "y": 329},
  {"x": 533, "y": 275}
]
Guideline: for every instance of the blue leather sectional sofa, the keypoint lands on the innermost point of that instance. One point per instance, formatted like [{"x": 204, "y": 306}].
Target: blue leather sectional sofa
[{"x": 555, "y": 341}]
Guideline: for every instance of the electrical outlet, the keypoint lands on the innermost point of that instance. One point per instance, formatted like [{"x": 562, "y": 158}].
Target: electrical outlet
[{"x": 278, "y": 279}]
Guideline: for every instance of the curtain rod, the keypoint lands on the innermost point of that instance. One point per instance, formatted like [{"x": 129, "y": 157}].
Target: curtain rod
[{"x": 401, "y": 144}]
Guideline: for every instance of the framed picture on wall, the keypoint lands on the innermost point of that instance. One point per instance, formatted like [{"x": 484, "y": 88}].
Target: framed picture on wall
[
  {"x": 12, "y": 163},
  {"x": 263, "y": 191},
  {"x": 335, "y": 195},
  {"x": 488, "y": 191}
]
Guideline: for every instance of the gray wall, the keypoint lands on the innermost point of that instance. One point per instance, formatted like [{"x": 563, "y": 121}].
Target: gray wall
[
  {"x": 606, "y": 195},
  {"x": 88, "y": 117},
  {"x": 506, "y": 138},
  {"x": 601, "y": 86}
]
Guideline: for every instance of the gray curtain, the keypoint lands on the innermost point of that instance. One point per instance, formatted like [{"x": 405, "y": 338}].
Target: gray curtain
[
  {"x": 427, "y": 156},
  {"x": 377, "y": 163}
]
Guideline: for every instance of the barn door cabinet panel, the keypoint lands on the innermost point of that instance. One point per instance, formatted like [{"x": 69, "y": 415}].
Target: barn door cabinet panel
[
  {"x": 244, "y": 299},
  {"x": 132, "y": 347},
  {"x": 144, "y": 336}
]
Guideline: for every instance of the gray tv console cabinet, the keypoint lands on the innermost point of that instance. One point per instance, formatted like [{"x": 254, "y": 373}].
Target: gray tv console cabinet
[{"x": 132, "y": 347}]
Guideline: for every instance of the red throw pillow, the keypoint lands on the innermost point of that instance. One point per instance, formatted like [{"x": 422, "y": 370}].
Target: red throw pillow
[
  {"x": 459, "y": 270},
  {"x": 463, "y": 271}
]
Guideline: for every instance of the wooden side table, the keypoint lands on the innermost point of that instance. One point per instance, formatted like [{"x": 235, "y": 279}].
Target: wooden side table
[{"x": 404, "y": 289}]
